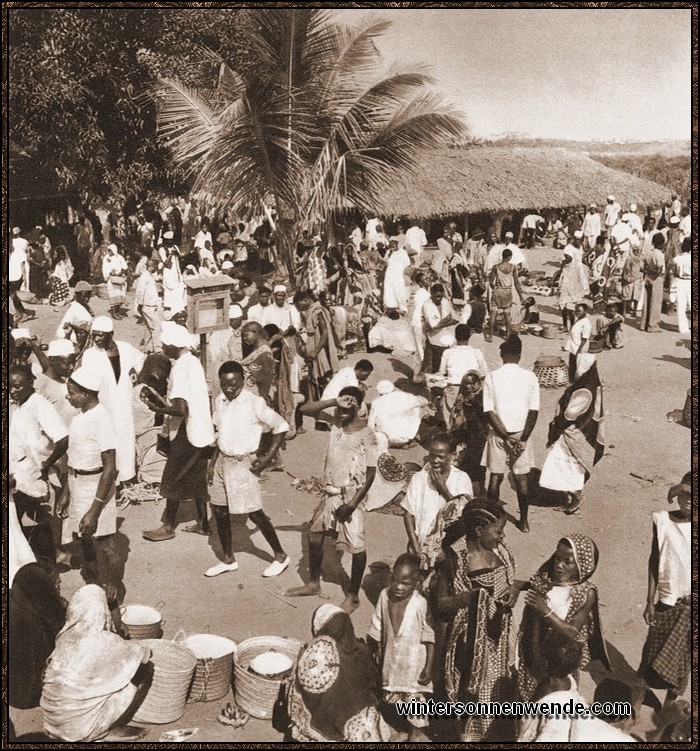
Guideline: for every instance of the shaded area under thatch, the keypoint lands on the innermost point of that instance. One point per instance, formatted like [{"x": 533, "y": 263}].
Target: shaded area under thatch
[{"x": 489, "y": 179}]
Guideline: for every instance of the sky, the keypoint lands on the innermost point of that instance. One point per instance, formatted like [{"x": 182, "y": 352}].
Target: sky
[{"x": 580, "y": 74}]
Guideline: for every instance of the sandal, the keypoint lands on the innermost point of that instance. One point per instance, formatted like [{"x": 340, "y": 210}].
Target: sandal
[{"x": 572, "y": 508}]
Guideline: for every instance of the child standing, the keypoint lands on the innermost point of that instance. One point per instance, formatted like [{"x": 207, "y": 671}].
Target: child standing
[
  {"x": 666, "y": 657},
  {"x": 404, "y": 641}
]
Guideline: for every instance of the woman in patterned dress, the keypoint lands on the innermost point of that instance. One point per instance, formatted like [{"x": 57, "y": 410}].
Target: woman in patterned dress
[
  {"x": 334, "y": 691},
  {"x": 475, "y": 594},
  {"x": 561, "y": 598}
]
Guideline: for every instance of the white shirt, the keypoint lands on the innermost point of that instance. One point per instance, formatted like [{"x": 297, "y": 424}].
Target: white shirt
[
  {"x": 344, "y": 377},
  {"x": 611, "y": 213},
  {"x": 415, "y": 238},
  {"x": 56, "y": 392},
  {"x": 460, "y": 359},
  {"x": 581, "y": 330},
  {"x": 518, "y": 258},
  {"x": 202, "y": 238},
  {"x": 686, "y": 226},
  {"x": 419, "y": 299},
  {"x": 683, "y": 266},
  {"x": 75, "y": 314},
  {"x": 91, "y": 433},
  {"x": 282, "y": 316},
  {"x": 622, "y": 234},
  {"x": 187, "y": 382},
  {"x": 511, "y": 392},
  {"x": 258, "y": 312},
  {"x": 532, "y": 220},
  {"x": 147, "y": 290},
  {"x": 424, "y": 502},
  {"x": 591, "y": 225},
  {"x": 432, "y": 315},
  {"x": 35, "y": 427},
  {"x": 397, "y": 415},
  {"x": 494, "y": 257},
  {"x": 675, "y": 571},
  {"x": 18, "y": 257},
  {"x": 240, "y": 423}
]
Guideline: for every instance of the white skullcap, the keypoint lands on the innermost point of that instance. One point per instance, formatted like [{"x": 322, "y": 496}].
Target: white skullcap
[
  {"x": 113, "y": 248},
  {"x": 175, "y": 335},
  {"x": 87, "y": 378},
  {"x": 21, "y": 334},
  {"x": 633, "y": 207},
  {"x": 279, "y": 288},
  {"x": 674, "y": 220},
  {"x": 148, "y": 225},
  {"x": 322, "y": 615},
  {"x": 16, "y": 230},
  {"x": 578, "y": 234},
  {"x": 385, "y": 387},
  {"x": 509, "y": 234},
  {"x": 168, "y": 236},
  {"x": 60, "y": 348},
  {"x": 226, "y": 265},
  {"x": 103, "y": 324},
  {"x": 626, "y": 217},
  {"x": 611, "y": 198},
  {"x": 234, "y": 311}
]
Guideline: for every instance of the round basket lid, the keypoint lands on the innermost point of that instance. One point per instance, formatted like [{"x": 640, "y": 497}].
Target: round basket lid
[
  {"x": 271, "y": 663},
  {"x": 209, "y": 645},
  {"x": 140, "y": 615}
]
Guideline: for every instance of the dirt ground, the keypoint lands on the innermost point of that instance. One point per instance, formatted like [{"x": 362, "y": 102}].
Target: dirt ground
[{"x": 645, "y": 454}]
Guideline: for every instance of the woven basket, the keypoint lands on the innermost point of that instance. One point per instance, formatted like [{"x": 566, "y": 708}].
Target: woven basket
[
  {"x": 256, "y": 694},
  {"x": 143, "y": 621},
  {"x": 100, "y": 290},
  {"x": 214, "y": 670},
  {"x": 549, "y": 331},
  {"x": 595, "y": 347},
  {"x": 172, "y": 675},
  {"x": 551, "y": 372}
]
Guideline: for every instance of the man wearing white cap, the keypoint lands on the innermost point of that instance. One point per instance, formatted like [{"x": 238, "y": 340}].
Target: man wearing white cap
[
  {"x": 78, "y": 312},
  {"x": 115, "y": 362},
  {"x": 397, "y": 414},
  {"x": 573, "y": 281},
  {"x": 148, "y": 305},
  {"x": 57, "y": 363},
  {"x": 190, "y": 430},
  {"x": 286, "y": 317},
  {"x": 591, "y": 227},
  {"x": 621, "y": 235},
  {"x": 89, "y": 507},
  {"x": 415, "y": 242},
  {"x": 611, "y": 214},
  {"x": 635, "y": 222},
  {"x": 518, "y": 258},
  {"x": 37, "y": 438}
]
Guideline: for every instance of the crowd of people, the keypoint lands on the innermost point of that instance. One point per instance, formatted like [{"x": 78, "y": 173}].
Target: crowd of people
[{"x": 93, "y": 416}]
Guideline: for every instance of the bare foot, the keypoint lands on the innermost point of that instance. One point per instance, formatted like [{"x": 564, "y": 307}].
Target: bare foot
[
  {"x": 523, "y": 526},
  {"x": 350, "y": 604},
  {"x": 197, "y": 529},
  {"x": 312, "y": 588}
]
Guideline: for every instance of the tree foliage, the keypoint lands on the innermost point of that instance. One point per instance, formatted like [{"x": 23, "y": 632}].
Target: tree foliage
[
  {"x": 79, "y": 122},
  {"x": 317, "y": 123},
  {"x": 673, "y": 171}
]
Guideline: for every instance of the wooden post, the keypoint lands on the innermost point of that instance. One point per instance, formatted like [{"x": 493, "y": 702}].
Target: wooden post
[{"x": 203, "y": 352}]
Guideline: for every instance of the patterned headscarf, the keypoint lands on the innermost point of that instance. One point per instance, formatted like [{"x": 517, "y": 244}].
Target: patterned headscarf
[
  {"x": 585, "y": 555},
  {"x": 322, "y": 615}
]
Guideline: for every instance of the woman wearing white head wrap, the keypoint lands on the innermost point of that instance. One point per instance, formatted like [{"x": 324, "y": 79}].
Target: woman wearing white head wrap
[
  {"x": 576, "y": 439},
  {"x": 113, "y": 270},
  {"x": 92, "y": 676}
]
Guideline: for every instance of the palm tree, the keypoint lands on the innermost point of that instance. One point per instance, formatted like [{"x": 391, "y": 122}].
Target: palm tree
[{"x": 314, "y": 125}]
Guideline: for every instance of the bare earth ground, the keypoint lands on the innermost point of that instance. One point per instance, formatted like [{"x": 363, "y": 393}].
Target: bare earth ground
[{"x": 644, "y": 381}]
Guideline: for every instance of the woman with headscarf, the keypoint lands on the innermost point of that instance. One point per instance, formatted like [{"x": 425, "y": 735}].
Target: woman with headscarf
[
  {"x": 561, "y": 598},
  {"x": 475, "y": 595},
  {"x": 94, "y": 679},
  {"x": 36, "y": 613},
  {"x": 469, "y": 427},
  {"x": 576, "y": 441},
  {"x": 114, "y": 268},
  {"x": 334, "y": 691}
]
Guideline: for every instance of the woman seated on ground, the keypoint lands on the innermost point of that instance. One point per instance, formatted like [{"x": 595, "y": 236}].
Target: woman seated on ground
[
  {"x": 334, "y": 691},
  {"x": 94, "y": 680}
]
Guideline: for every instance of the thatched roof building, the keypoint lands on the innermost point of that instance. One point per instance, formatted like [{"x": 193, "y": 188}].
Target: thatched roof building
[{"x": 489, "y": 179}]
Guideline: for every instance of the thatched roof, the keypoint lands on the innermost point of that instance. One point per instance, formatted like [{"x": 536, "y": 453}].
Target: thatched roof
[{"x": 488, "y": 179}]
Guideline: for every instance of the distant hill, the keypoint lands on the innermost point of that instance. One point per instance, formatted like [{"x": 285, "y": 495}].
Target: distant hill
[{"x": 663, "y": 162}]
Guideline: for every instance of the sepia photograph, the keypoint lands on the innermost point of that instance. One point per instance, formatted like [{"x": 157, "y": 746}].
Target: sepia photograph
[{"x": 349, "y": 357}]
